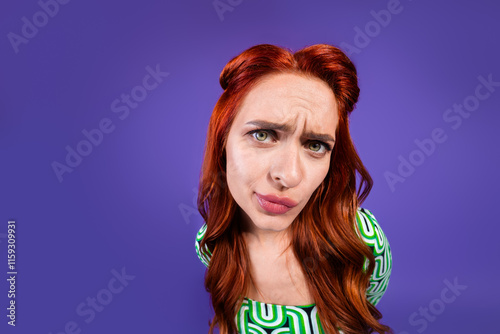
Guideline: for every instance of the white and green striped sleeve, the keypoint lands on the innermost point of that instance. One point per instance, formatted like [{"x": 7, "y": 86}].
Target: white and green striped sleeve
[
  {"x": 374, "y": 237},
  {"x": 205, "y": 255}
]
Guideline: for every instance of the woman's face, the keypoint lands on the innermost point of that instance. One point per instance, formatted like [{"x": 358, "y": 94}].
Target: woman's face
[{"x": 278, "y": 148}]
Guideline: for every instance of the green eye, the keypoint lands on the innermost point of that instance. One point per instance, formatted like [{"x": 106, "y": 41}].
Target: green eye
[
  {"x": 261, "y": 135},
  {"x": 315, "y": 147}
]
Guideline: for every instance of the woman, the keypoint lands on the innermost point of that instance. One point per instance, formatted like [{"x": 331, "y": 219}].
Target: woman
[{"x": 288, "y": 248}]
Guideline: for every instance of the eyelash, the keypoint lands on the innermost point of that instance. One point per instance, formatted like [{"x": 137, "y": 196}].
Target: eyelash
[{"x": 272, "y": 133}]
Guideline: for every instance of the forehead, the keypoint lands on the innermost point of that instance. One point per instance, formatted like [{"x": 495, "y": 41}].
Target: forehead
[{"x": 288, "y": 97}]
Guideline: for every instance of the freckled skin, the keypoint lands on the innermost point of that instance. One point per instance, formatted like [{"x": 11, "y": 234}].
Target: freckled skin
[{"x": 284, "y": 166}]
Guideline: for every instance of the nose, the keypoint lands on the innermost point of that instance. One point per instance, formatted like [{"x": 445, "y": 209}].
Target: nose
[{"x": 286, "y": 169}]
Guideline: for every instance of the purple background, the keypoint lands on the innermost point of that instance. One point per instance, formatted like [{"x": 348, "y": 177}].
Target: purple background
[{"x": 121, "y": 206}]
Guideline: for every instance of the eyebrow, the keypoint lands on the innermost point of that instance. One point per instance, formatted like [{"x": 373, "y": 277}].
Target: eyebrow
[{"x": 287, "y": 128}]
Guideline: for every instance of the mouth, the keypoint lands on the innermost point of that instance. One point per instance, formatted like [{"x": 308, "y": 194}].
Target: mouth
[{"x": 275, "y": 204}]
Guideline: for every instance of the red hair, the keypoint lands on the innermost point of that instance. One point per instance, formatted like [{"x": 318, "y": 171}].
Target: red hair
[{"x": 324, "y": 232}]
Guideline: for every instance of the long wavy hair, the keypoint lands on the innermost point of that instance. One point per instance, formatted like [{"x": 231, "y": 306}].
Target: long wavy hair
[{"x": 324, "y": 235}]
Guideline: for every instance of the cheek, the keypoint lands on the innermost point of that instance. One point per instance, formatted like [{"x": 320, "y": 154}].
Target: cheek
[
  {"x": 236, "y": 168},
  {"x": 244, "y": 167},
  {"x": 318, "y": 174}
]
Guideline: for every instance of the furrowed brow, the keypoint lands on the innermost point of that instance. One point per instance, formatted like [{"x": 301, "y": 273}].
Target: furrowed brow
[
  {"x": 319, "y": 136},
  {"x": 286, "y": 128},
  {"x": 270, "y": 125}
]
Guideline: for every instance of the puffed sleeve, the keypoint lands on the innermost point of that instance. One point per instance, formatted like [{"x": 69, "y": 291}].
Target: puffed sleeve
[
  {"x": 204, "y": 255},
  {"x": 374, "y": 237}
]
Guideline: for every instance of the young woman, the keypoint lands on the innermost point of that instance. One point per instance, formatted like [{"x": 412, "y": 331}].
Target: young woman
[{"x": 287, "y": 246}]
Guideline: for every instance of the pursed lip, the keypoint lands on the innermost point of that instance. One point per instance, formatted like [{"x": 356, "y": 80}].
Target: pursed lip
[{"x": 279, "y": 200}]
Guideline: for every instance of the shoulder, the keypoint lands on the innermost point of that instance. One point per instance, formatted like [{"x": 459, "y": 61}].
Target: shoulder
[
  {"x": 372, "y": 234},
  {"x": 370, "y": 231},
  {"x": 204, "y": 255}
]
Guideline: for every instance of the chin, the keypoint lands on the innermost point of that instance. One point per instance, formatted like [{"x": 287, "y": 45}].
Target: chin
[{"x": 273, "y": 223}]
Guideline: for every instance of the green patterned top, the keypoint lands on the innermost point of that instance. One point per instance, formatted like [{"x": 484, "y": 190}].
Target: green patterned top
[{"x": 256, "y": 317}]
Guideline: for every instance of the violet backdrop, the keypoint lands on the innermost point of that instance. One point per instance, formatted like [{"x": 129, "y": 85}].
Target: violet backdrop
[{"x": 105, "y": 242}]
